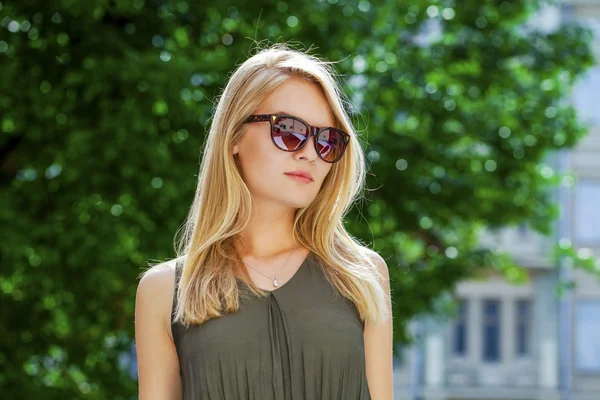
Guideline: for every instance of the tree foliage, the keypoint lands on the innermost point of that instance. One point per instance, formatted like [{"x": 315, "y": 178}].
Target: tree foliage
[{"x": 104, "y": 105}]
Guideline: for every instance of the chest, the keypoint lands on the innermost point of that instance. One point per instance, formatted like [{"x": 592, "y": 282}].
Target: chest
[{"x": 301, "y": 317}]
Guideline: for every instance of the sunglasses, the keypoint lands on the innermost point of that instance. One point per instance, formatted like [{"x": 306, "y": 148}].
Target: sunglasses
[{"x": 290, "y": 133}]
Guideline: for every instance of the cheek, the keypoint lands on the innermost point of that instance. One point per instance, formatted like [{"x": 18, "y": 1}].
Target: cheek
[
  {"x": 325, "y": 172},
  {"x": 259, "y": 161}
]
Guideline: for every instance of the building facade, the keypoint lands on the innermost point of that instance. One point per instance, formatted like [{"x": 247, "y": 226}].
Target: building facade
[{"x": 524, "y": 341}]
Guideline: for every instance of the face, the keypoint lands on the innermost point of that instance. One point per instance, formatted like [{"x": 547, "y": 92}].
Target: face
[{"x": 268, "y": 171}]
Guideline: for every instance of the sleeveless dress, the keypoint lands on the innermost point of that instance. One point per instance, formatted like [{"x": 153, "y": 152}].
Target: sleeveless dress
[{"x": 304, "y": 341}]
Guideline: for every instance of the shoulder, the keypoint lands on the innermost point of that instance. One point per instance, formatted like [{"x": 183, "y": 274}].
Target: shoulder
[
  {"x": 383, "y": 277},
  {"x": 158, "y": 278},
  {"x": 155, "y": 291},
  {"x": 158, "y": 363},
  {"x": 378, "y": 261}
]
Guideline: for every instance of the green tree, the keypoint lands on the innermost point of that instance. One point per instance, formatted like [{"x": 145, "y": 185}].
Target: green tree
[{"x": 104, "y": 106}]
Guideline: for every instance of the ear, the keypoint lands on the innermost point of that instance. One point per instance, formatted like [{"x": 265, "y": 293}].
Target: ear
[{"x": 235, "y": 149}]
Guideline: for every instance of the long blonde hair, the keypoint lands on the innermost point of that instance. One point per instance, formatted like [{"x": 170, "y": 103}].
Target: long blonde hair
[{"x": 222, "y": 203}]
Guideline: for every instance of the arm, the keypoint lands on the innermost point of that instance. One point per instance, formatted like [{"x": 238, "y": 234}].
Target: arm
[
  {"x": 158, "y": 364},
  {"x": 378, "y": 345}
]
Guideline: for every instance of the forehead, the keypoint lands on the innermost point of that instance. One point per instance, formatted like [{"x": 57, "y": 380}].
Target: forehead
[{"x": 299, "y": 98}]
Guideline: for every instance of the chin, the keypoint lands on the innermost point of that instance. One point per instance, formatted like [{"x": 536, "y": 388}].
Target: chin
[{"x": 300, "y": 203}]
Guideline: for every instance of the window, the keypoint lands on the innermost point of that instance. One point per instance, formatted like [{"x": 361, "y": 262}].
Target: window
[
  {"x": 585, "y": 97},
  {"x": 587, "y": 336},
  {"x": 460, "y": 330},
  {"x": 523, "y": 325},
  {"x": 587, "y": 212},
  {"x": 491, "y": 330}
]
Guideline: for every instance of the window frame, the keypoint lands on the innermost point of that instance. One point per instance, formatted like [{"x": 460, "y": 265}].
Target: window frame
[
  {"x": 484, "y": 329},
  {"x": 581, "y": 215},
  {"x": 525, "y": 322},
  {"x": 578, "y": 330},
  {"x": 462, "y": 318}
]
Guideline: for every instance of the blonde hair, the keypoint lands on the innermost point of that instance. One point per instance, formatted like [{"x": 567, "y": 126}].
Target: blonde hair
[{"x": 222, "y": 203}]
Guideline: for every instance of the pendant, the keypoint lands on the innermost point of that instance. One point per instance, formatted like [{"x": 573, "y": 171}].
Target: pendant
[{"x": 275, "y": 283}]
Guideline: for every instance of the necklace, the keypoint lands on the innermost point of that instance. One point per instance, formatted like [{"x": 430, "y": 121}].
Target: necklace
[{"x": 275, "y": 282}]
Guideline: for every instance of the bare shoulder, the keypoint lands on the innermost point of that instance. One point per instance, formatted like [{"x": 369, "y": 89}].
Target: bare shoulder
[
  {"x": 378, "y": 261},
  {"x": 159, "y": 279},
  {"x": 374, "y": 256},
  {"x": 158, "y": 364},
  {"x": 155, "y": 292}
]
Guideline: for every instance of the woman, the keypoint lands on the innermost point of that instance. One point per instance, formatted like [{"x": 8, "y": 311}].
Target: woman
[{"x": 270, "y": 297}]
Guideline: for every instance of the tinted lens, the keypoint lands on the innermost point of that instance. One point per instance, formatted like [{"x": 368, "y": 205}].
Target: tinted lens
[
  {"x": 290, "y": 134},
  {"x": 331, "y": 144}
]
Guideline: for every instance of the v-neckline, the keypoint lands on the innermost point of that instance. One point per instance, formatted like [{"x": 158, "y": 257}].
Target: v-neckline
[{"x": 281, "y": 286}]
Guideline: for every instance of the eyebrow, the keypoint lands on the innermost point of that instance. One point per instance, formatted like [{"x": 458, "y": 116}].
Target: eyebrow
[{"x": 293, "y": 115}]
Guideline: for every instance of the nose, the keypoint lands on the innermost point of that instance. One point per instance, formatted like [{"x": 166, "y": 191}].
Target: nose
[{"x": 308, "y": 152}]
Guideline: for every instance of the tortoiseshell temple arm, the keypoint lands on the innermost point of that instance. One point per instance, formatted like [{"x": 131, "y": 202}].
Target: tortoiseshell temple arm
[{"x": 258, "y": 118}]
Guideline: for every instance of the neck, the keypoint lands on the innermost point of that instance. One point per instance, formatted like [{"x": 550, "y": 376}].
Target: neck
[{"x": 269, "y": 232}]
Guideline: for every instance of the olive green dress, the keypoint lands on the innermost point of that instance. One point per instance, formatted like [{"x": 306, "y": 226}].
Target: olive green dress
[{"x": 303, "y": 341}]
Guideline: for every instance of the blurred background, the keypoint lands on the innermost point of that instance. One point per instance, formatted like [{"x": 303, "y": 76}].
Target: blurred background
[{"x": 481, "y": 123}]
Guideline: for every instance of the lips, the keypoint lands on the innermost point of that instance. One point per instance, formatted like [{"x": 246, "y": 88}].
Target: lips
[{"x": 300, "y": 174}]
